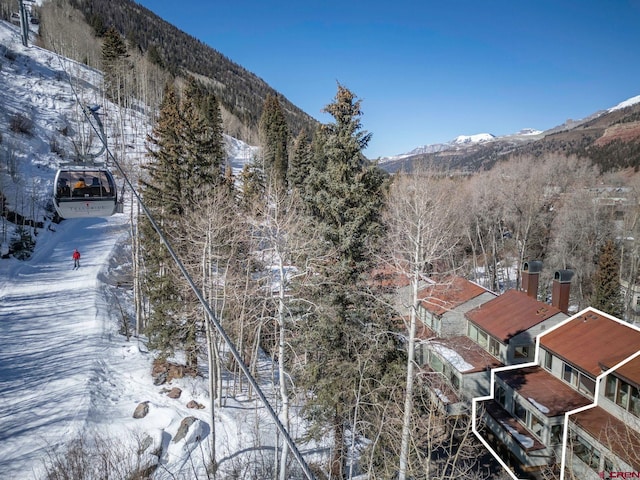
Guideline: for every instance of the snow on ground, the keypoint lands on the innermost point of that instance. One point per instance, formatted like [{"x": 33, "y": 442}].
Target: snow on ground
[
  {"x": 61, "y": 350},
  {"x": 65, "y": 370}
]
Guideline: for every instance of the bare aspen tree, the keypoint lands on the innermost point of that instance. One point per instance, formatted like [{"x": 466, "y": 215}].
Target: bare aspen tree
[
  {"x": 579, "y": 229},
  {"x": 65, "y": 31},
  {"x": 422, "y": 233},
  {"x": 284, "y": 248},
  {"x": 484, "y": 221},
  {"x": 214, "y": 233}
]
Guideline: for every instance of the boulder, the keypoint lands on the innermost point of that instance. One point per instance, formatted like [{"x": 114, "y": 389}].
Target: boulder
[
  {"x": 159, "y": 378},
  {"x": 141, "y": 410},
  {"x": 169, "y": 370},
  {"x": 175, "y": 392},
  {"x": 194, "y": 404},
  {"x": 184, "y": 428}
]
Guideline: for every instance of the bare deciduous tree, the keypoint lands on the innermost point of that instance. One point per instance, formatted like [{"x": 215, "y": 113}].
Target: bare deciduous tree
[{"x": 422, "y": 235}]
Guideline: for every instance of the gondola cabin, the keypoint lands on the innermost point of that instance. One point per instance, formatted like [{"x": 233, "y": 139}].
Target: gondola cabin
[{"x": 85, "y": 193}]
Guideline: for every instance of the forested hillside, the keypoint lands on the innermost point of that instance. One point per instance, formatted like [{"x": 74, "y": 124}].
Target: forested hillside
[
  {"x": 610, "y": 140},
  {"x": 240, "y": 92}
]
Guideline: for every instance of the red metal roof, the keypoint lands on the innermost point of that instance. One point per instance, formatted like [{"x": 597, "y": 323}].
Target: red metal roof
[
  {"x": 591, "y": 338},
  {"x": 630, "y": 372},
  {"x": 550, "y": 395},
  {"x": 611, "y": 432},
  {"x": 511, "y": 313},
  {"x": 446, "y": 295}
]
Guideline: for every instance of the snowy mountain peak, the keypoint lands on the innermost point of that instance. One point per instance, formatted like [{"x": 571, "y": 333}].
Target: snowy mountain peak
[
  {"x": 477, "y": 138},
  {"x": 626, "y": 103},
  {"x": 529, "y": 131}
]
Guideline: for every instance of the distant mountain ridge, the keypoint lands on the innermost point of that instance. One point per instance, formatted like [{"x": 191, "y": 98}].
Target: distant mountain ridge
[
  {"x": 239, "y": 91},
  {"x": 610, "y": 138}
]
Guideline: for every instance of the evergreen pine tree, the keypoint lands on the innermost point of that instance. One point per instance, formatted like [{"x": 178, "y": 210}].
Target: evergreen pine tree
[
  {"x": 347, "y": 342},
  {"x": 161, "y": 195},
  {"x": 253, "y": 188},
  {"x": 274, "y": 138},
  {"x": 202, "y": 174},
  {"x": 114, "y": 64},
  {"x": 203, "y": 145},
  {"x": 301, "y": 161},
  {"x": 607, "y": 295}
]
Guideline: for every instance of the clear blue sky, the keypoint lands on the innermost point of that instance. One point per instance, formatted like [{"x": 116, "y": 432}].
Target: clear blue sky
[{"x": 428, "y": 71}]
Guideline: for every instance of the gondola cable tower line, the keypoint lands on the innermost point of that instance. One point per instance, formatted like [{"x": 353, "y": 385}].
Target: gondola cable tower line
[{"x": 205, "y": 305}]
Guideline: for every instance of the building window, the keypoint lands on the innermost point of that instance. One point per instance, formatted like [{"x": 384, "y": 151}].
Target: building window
[
  {"x": 556, "y": 434},
  {"x": 587, "y": 384},
  {"x": 548, "y": 360},
  {"x": 622, "y": 394},
  {"x": 523, "y": 351},
  {"x": 436, "y": 363},
  {"x": 455, "y": 381},
  {"x": 608, "y": 465},
  {"x": 536, "y": 425},
  {"x": 500, "y": 395},
  {"x": 494, "y": 347},
  {"x": 625, "y": 395},
  {"x": 585, "y": 452},
  {"x": 610, "y": 388},
  {"x": 473, "y": 332},
  {"x": 483, "y": 339},
  {"x": 584, "y": 383},
  {"x": 420, "y": 354},
  {"x": 634, "y": 401},
  {"x": 433, "y": 322},
  {"x": 519, "y": 411},
  {"x": 570, "y": 375}
]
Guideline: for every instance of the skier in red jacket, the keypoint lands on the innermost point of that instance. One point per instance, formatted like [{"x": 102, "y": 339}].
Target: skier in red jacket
[{"x": 76, "y": 259}]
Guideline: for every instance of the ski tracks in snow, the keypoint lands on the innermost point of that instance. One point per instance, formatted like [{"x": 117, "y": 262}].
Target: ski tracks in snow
[{"x": 53, "y": 340}]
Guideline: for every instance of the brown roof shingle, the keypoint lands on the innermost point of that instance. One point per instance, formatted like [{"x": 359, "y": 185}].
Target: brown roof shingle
[
  {"x": 509, "y": 314},
  {"x": 447, "y": 295},
  {"x": 591, "y": 338},
  {"x": 611, "y": 432},
  {"x": 550, "y": 395}
]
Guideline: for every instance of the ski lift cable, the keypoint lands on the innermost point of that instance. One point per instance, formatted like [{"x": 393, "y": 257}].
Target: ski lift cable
[{"x": 210, "y": 314}]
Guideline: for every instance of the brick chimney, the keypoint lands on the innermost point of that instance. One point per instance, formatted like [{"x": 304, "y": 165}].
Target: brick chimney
[
  {"x": 561, "y": 289},
  {"x": 530, "y": 276}
]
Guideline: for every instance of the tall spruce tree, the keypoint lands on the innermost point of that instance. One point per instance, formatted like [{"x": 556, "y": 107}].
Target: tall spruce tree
[
  {"x": 202, "y": 169},
  {"x": 114, "y": 64},
  {"x": 301, "y": 161},
  {"x": 204, "y": 154},
  {"x": 607, "y": 295},
  {"x": 346, "y": 339},
  {"x": 187, "y": 154},
  {"x": 274, "y": 139},
  {"x": 161, "y": 195}
]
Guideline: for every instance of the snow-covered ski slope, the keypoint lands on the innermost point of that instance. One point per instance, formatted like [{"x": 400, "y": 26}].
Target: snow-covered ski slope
[{"x": 66, "y": 370}]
